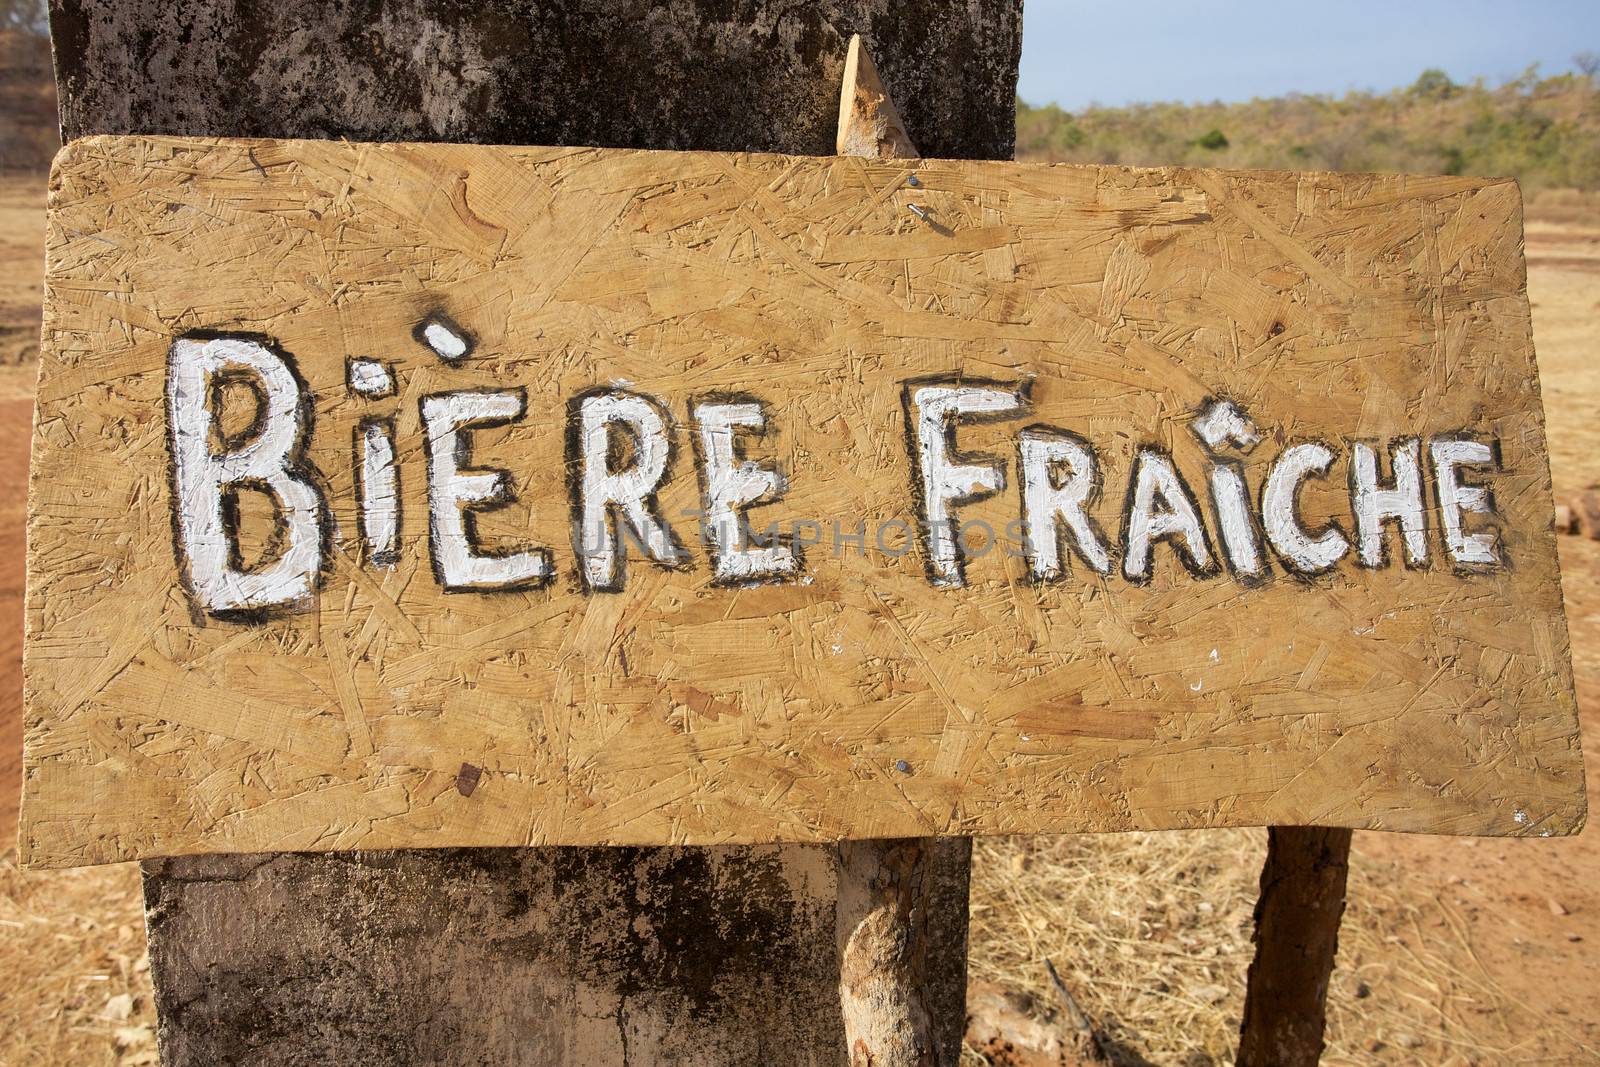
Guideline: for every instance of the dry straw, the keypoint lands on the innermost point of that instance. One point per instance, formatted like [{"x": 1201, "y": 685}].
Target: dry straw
[
  {"x": 1151, "y": 932},
  {"x": 76, "y": 986}
]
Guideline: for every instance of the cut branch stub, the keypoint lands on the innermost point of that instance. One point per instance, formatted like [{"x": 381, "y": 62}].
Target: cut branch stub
[
  {"x": 869, "y": 125},
  {"x": 883, "y": 951}
]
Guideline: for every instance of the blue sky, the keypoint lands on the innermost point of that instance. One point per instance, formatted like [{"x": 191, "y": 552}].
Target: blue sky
[{"x": 1077, "y": 51}]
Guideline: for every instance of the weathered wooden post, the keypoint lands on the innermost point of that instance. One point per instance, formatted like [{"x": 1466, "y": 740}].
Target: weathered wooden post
[
  {"x": 1297, "y": 933},
  {"x": 710, "y": 955}
]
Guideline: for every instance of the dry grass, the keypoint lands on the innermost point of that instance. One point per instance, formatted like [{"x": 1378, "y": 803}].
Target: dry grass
[
  {"x": 76, "y": 986},
  {"x": 1151, "y": 932},
  {"x": 1408, "y": 984},
  {"x": 1542, "y": 131}
]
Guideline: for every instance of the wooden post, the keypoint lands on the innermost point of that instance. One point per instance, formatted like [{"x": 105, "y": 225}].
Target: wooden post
[
  {"x": 595, "y": 955},
  {"x": 1297, "y": 934},
  {"x": 885, "y": 887},
  {"x": 884, "y": 952}
]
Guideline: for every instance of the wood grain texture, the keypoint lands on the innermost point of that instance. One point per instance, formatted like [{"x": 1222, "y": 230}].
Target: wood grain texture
[{"x": 860, "y": 701}]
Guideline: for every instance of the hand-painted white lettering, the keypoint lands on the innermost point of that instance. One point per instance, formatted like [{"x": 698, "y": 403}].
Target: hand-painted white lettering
[
  {"x": 1375, "y": 504},
  {"x": 1305, "y": 552},
  {"x": 1177, "y": 518},
  {"x": 733, "y": 483},
  {"x": 447, "y": 342},
  {"x": 454, "y": 491},
  {"x": 370, "y": 378},
  {"x": 1449, "y": 455},
  {"x": 204, "y": 481},
  {"x": 604, "y": 486},
  {"x": 1221, "y": 425},
  {"x": 1060, "y": 480},
  {"x": 1224, "y": 423},
  {"x": 1230, "y": 498},
  {"x": 380, "y": 493},
  {"x": 935, "y": 410},
  {"x": 620, "y": 445}
]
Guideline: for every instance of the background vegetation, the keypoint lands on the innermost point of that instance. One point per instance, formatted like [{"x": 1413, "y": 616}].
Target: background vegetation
[
  {"x": 1543, "y": 131},
  {"x": 27, "y": 15},
  {"x": 28, "y": 132}
]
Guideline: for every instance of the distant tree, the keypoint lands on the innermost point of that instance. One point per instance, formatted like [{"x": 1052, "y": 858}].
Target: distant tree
[
  {"x": 1588, "y": 63},
  {"x": 29, "y": 16},
  {"x": 1529, "y": 81},
  {"x": 1433, "y": 84},
  {"x": 1213, "y": 140}
]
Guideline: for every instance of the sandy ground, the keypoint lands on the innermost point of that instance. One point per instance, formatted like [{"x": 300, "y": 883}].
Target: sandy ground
[
  {"x": 1454, "y": 951},
  {"x": 21, "y": 282}
]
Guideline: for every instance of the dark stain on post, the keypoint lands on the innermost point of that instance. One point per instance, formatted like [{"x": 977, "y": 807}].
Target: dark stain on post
[{"x": 467, "y": 779}]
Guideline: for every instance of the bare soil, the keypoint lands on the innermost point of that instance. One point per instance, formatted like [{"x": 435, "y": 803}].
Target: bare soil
[
  {"x": 1454, "y": 951},
  {"x": 21, "y": 290}
]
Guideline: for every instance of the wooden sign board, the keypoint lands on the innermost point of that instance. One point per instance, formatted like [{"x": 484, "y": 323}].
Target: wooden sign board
[{"x": 435, "y": 495}]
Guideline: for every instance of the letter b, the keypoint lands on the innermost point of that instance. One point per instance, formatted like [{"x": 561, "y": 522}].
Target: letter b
[{"x": 206, "y": 481}]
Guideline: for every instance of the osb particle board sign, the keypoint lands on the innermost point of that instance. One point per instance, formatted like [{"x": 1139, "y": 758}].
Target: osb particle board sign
[{"x": 397, "y": 495}]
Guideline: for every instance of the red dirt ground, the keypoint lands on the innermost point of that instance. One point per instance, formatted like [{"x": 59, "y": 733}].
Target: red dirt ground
[
  {"x": 21, "y": 287},
  {"x": 16, "y": 419}
]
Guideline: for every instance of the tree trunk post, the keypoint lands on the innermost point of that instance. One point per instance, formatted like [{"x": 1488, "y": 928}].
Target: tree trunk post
[
  {"x": 1296, "y": 936},
  {"x": 461, "y": 956},
  {"x": 885, "y": 885},
  {"x": 884, "y": 952}
]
